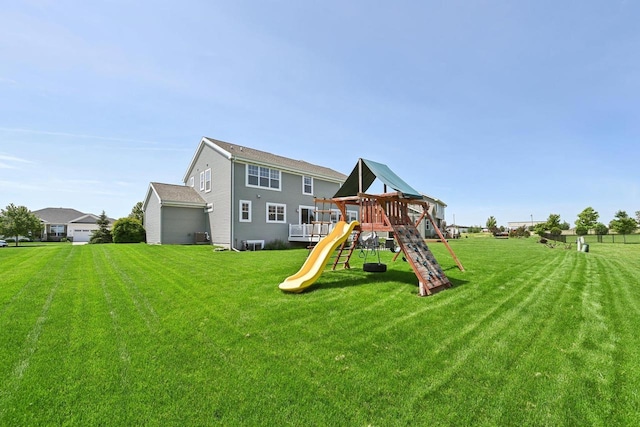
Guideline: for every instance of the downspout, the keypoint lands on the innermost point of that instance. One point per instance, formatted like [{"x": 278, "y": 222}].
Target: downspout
[{"x": 233, "y": 204}]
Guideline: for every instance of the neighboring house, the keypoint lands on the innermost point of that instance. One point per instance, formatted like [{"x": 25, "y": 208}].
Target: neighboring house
[
  {"x": 60, "y": 223},
  {"x": 437, "y": 213},
  {"x": 238, "y": 197}
]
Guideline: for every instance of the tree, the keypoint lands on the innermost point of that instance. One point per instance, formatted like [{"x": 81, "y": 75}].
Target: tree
[
  {"x": 128, "y": 230},
  {"x": 623, "y": 224},
  {"x": 137, "y": 213},
  {"x": 601, "y": 229},
  {"x": 565, "y": 225},
  {"x": 581, "y": 230},
  {"x": 492, "y": 224},
  {"x": 540, "y": 229},
  {"x": 587, "y": 218},
  {"x": 553, "y": 221},
  {"x": 102, "y": 234},
  {"x": 638, "y": 217},
  {"x": 16, "y": 221}
]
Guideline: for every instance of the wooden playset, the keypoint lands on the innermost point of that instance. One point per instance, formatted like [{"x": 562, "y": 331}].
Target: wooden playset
[{"x": 387, "y": 212}]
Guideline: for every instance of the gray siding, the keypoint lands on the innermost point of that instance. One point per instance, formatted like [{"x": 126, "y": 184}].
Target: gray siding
[
  {"x": 179, "y": 224},
  {"x": 152, "y": 220},
  {"x": 219, "y": 220},
  {"x": 290, "y": 194}
]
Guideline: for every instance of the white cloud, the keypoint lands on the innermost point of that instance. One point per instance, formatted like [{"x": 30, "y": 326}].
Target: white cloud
[
  {"x": 74, "y": 135},
  {"x": 9, "y": 162}
]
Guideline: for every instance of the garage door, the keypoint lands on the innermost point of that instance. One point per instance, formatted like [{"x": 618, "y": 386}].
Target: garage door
[{"x": 81, "y": 235}]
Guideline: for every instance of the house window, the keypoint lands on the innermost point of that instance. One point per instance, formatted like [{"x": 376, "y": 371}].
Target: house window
[
  {"x": 191, "y": 182},
  {"x": 306, "y": 214},
  {"x": 352, "y": 216},
  {"x": 258, "y": 176},
  {"x": 276, "y": 212},
  {"x": 335, "y": 215},
  {"x": 307, "y": 185},
  {"x": 201, "y": 181},
  {"x": 245, "y": 211},
  {"x": 207, "y": 180},
  {"x": 57, "y": 230}
]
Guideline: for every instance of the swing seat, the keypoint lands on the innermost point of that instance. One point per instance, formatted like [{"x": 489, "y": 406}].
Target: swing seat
[{"x": 374, "y": 267}]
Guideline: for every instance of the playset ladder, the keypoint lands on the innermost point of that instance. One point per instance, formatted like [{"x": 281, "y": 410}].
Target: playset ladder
[{"x": 342, "y": 257}]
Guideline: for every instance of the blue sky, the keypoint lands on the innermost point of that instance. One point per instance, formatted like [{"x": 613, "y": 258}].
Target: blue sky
[{"x": 503, "y": 108}]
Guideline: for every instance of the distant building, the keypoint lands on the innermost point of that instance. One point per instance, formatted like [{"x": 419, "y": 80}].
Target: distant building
[
  {"x": 67, "y": 223},
  {"x": 512, "y": 225}
]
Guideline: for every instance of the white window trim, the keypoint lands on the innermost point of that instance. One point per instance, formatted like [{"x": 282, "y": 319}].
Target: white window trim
[
  {"x": 192, "y": 182},
  {"x": 284, "y": 219},
  {"x": 202, "y": 181},
  {"x": 337, "y": 214},
  {"x": 207, "y": 181},
  {"x": 301, "y": 208},
  {"x": 303, "y": 192},
  {"x": 352, "y": 216},
  {"x": 246, "y": 178},
  {"x": 248, "y": 202}
]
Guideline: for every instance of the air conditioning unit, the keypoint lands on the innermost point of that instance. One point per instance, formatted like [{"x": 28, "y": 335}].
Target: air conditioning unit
[{"x": 202, "y": 237}]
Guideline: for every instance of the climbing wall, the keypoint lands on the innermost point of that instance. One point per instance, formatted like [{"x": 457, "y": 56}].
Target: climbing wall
[{"x": 430, "y": 275}]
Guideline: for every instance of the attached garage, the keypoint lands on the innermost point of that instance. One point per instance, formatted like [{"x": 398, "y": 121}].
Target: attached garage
[{"x": 81, "y": 235}]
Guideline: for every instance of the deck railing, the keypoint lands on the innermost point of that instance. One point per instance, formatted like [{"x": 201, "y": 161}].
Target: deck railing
[{"x": 307, "y": 231}]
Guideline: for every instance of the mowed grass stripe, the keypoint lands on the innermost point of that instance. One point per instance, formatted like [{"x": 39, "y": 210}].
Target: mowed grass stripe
[
  {"x": 30, "y": 317},
  {"x": 476, "y": 359},
  {"x": 533, "y": 382},
  {"x": 18, "y": 266},
  {"x": 622, "y": 299}
]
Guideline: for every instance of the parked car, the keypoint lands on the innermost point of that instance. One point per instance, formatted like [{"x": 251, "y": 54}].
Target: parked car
[{"x": 3, "y": 243}]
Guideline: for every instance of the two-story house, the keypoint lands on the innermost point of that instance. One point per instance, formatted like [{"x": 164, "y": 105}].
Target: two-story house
[
  {"x": 237, "y": 197},
  {"x": 242, "y": 198}
]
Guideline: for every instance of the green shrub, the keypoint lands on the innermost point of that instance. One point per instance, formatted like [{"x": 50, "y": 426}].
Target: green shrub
[
  {"x": 128, "y": 230},
  {"x": 520, "y": 232},
  {"x": 556, "y": 231}
]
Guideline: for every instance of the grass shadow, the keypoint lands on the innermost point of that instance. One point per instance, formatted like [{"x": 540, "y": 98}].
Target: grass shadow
[{"x": 358, "y": 277}]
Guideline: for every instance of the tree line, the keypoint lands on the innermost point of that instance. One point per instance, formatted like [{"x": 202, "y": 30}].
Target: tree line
[{"x": 587, "y": 221}]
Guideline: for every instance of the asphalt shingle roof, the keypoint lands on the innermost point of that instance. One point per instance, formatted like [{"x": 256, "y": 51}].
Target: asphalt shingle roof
[
  {"x": 58, "y": 215},
  {"x": 177, "y": 193},
  {"x": 240, "y": 152}
]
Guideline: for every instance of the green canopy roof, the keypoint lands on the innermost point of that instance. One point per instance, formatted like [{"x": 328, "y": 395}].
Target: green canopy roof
[{"x": 370, "y": 171}]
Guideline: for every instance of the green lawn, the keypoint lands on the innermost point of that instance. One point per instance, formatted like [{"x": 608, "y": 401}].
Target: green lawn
[{"x": 183, "y": 335}]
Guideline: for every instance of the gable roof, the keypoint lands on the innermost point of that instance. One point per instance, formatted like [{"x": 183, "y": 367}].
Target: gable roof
[
  {"x": 58, "y": 215},
  {"x": 66, "y": 216},
  {"x": 87, "y": 219},
  {"x": 175, "y": 195},
  {"x": 235, "y": 152},
  {"x": 371, "y": 170}
]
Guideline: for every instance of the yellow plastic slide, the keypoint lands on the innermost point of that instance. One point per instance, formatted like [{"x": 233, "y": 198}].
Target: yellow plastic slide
[{"x": 314, "y": 265}]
